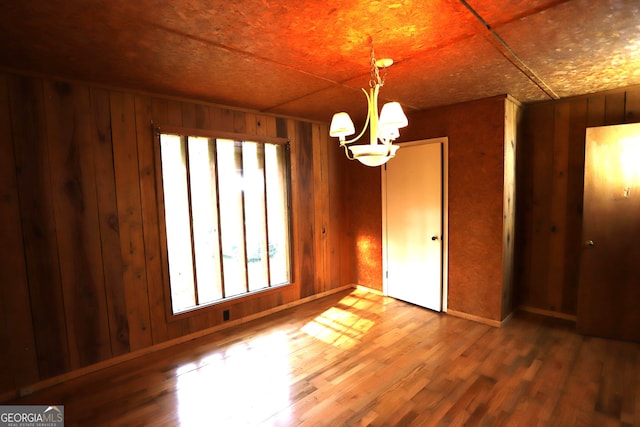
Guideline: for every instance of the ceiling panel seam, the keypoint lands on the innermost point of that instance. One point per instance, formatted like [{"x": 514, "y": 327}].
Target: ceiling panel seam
[
  {"x": 240, "y": 52},
  {"x": 503, "y": 47}
]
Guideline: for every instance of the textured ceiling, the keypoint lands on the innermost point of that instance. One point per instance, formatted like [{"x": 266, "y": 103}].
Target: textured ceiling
[{"x": 310, "y": 58}]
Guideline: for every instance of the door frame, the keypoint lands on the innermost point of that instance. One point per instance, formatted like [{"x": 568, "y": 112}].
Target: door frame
[{"x": 444, "y": 279}]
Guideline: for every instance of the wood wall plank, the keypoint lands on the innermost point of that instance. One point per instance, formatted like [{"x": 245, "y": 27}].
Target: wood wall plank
[
  {"x": 147, "y": 143},
  {"x": 203, "y": 119},
  {"x": 320, "y": 210},
  {"x": 303, "y": 213},
  {"x": 113, "y": 269},
  {"x": 524, "y": 209},
  {"x": 558, "y": 208},
  {"x": 541, "y": 206},
  {"x": 160, "y": 113},
  {"x": 262, "y": 125},
  {"x": 614, "y": 108},
  {"x": 294, "y": 208},
  {"x": 595, "y": 110},
  {"x": 125, "y": 158},
  {"x": 281, "y": 128},
  {"x": 251, "y": 124},
  {"x": 69, "y": 132},
  {"x": 174, "y": 113},
  {"x": 268, "y": 126},
  {"x": 222, "y": 119},
  {"x": 188, "y": 115},
  {"x": 335, "y": 193},
  {"x": 38, "y": 224},
  {"x": 180, "y": 327},
  {"x": 240, "y": 122},
  {"x": 18, "y": 367}
]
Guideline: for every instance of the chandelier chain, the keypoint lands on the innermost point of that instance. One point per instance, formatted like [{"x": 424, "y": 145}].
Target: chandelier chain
[{"x": 376, "y": 80}]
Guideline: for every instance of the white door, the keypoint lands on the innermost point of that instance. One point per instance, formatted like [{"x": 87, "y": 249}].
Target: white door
[{"x": 413, "y": 224}]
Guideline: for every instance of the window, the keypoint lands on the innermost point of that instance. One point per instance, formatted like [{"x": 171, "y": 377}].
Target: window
[{"x": 226, "y": 217}]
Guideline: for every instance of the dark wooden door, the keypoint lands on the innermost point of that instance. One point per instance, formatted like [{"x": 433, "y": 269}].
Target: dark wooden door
[{"x": 609, "y": 288}]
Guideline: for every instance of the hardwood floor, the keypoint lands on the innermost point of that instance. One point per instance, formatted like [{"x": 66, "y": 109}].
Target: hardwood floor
[{"x": 357, "y": 358}]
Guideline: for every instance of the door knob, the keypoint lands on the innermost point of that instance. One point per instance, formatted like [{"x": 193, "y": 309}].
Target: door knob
[
  {"x": 588, "y": 243},
  {"x": 434, "y": 237}
]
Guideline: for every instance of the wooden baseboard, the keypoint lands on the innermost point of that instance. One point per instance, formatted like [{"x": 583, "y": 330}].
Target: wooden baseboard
[
  {"x": 479, "y": 319},
  {"x": 548, "y": 313},
  {"x": 49, "y": 382},
  {"x": 496, "y": 323}
]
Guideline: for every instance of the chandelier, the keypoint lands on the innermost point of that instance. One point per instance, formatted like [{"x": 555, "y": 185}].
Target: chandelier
[{"x": 383, "y": 129}]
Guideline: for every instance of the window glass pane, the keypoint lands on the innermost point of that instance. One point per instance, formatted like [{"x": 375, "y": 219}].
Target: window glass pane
[
  {"x": 205, "y": 219},
  {"x": 255, "y": 220},
  {"x": 231, "y": 216},
  {"x": 277, "y": 213},
  {"x": 226, "y": 218},
  {"x": 176, "y": 202}
]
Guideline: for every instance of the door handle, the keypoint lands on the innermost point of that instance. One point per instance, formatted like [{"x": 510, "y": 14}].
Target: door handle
[
  {"x": 434, "y": 237},
  {"x": 589, "y": 243}
]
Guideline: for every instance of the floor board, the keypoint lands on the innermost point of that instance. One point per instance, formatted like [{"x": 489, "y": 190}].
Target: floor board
[{"x": 358, "y": 358}]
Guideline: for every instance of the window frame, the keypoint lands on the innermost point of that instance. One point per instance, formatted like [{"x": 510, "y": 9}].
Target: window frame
[{"x": 162, "y": 230}]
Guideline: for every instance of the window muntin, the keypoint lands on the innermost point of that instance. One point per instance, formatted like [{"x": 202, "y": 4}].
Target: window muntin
[{"x": 226, "y": 218}]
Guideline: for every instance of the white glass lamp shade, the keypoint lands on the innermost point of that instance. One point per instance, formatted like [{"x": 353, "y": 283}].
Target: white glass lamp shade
[
  {"x": 341, "y": 126},
  {"x": 387, "y": 134},
  {"x": 392, "y": 116},
  {"x": 373, "y": 154}
]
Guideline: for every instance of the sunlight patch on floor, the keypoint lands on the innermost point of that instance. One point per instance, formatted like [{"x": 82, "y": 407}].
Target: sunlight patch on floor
[
  {"x": 360, "y": 299},
  {"x": 245, "y": 385},
  {"x": 338, "y": 327}
]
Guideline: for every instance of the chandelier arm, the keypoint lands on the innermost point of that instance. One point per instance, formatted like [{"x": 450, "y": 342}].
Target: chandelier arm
[
  {"x": 346, "y": 152},
  {"x": 366, "y": 123}
]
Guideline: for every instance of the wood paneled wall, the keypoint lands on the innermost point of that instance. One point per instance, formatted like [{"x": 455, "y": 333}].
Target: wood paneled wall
[
  {"x": 550, "y": 181},
  {"x": 480, "y": 260},
  {"x": 82, "y": 277}
]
